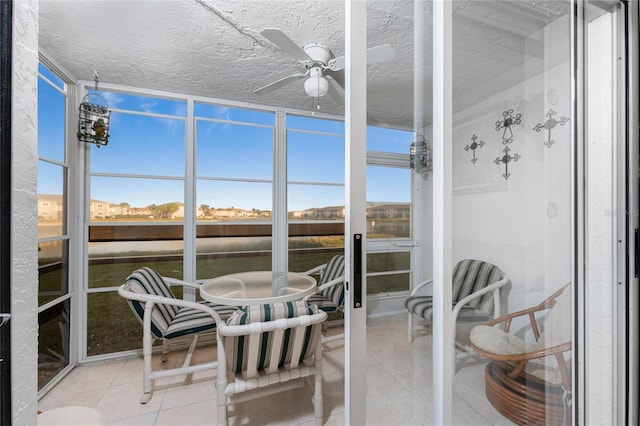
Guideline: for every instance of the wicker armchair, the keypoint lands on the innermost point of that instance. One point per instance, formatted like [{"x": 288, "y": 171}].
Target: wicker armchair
[{"x": 530, "y": 382}]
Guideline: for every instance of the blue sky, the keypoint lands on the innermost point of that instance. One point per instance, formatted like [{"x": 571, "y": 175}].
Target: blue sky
[{"x": 234, "y": 158}]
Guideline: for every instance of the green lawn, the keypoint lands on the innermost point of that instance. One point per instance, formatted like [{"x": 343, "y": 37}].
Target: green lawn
[{"x": 111, "y": 327}]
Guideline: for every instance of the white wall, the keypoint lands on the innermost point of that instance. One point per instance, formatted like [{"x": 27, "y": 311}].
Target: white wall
[
  {"x": 24, "y": 244},
  {"x": 523, "y": 223}
]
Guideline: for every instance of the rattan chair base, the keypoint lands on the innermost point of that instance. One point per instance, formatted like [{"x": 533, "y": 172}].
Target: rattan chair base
[{"x": 525, "y": 402}]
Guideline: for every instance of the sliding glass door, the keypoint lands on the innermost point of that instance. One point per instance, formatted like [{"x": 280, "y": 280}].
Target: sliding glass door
[
  {"x": 512, "y": 207},
  {"x": 529, "y": 136}
]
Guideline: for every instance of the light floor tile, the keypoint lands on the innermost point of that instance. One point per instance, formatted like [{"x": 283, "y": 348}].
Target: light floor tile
[
  {"x": 272, "y": 410},
  {"x": 406, "y": 410},
  {"x": 189, "y": 394},
  {"x": 61, "y": 398},
  {"x": 143, "y": 420},
  {"x": 123, "y": 401},
  {"x": 201, "y": 413},
  {"x": 399, "y": 390}
]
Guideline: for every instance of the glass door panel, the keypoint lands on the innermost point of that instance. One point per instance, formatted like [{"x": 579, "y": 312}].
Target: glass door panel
[
  {"x": 398, "y": 372},
  {"x": 512, "y": 207},
  {"x": 315, "y": 192}
]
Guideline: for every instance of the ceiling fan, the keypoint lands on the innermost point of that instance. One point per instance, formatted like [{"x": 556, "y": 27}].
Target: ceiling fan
[{"x": 323, "y": 71}]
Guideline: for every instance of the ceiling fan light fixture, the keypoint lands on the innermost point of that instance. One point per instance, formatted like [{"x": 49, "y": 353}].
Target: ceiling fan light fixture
[{"x": 316, "y": 86}]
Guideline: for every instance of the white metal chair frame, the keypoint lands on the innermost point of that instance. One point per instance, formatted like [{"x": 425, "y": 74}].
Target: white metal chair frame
[
  {"x": 253, "y": 383},
  {"x": 464, "y": 351},
  {"x": 148, "y": 338}
]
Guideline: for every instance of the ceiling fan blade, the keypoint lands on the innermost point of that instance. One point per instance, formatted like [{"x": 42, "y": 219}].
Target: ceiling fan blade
[
  {"x": 375, "y": 55},
  {"x": 283, "y": 41},
  {"x": 278, "y": 83},
  {"x": 335, "y": 90},
  {"x": 338, "y": 76},
  {"x": 382, "y": 53}
]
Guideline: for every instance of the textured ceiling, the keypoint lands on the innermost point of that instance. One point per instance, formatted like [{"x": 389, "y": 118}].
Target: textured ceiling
[{"x": 214, "y": 48}]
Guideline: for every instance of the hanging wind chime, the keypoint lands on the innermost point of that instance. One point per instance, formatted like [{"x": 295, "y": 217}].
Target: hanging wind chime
[{"x": 93, "y": 119}]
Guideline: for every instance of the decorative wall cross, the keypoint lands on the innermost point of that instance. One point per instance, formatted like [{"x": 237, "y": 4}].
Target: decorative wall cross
[
  {"x": 550, "y": 124},
  {"x": 506, "y": 159},
  {"x": 508, "y": 121},
  {"x": 473, "y": 146}
]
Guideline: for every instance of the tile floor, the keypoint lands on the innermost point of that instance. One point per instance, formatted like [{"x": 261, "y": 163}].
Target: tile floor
[{"x": 398, "y": 389}]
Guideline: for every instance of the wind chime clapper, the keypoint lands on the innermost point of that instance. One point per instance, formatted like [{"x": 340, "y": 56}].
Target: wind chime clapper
[
  {"x": 420, "y": 156},
  {"x": 93, "y": 118}
]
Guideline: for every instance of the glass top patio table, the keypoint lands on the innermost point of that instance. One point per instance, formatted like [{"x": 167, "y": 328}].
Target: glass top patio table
[{"x": 257, "y": 288}]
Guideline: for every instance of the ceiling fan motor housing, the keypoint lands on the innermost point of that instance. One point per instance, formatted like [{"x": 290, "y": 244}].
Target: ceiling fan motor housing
[{"x": 318, "y": 53}]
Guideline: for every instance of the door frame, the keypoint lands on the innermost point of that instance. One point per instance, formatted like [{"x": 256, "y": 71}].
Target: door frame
[
  {"x": 355, "y": 313},
  {"x": 628, "y": 316},
  {"x": 6, "y": 42}
]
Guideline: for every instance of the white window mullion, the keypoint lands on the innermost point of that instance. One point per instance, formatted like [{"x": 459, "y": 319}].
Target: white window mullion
[
  {"x": 280, "y": 232},
  {"x": 190, "y": 208},
  {"x": 83, "y": 152}
]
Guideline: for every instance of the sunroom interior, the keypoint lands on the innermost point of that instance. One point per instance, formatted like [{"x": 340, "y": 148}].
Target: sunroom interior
[{"x": 208, "y": 169}]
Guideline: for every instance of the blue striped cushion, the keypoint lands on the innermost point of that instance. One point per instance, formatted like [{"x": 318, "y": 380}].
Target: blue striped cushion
[
  {"x": 333, "y": 270},
  {"x": 147, "y": 281},
  {"x": 236, "y": 347}
]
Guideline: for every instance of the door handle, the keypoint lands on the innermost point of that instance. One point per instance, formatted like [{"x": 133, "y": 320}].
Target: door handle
[{"x": 357, "y": 271}]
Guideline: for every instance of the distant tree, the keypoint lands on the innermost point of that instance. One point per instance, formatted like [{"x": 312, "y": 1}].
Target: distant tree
[
  {"x": 153, "y": 209},
  {"x": 206, "y": 209},
  {"x": 124, "y": 204},
  {"x": 165, "y": 211}
]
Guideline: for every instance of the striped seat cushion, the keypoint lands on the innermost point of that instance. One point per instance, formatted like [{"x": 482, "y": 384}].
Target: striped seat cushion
[
  {"x": 189, "y": 320},
  {"x": 147, "y": 281},
  {"x": 469, "y": 276},
  {"x": 236, "y": 347},
  {"x": 422, "y": 306},
  {"x": 331, "y": 298},
  {"x": 323, "y": 303},
  {"x": 169, "y": 321}
]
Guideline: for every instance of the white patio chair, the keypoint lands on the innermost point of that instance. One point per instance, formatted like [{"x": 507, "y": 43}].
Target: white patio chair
[
  {"x": 329, "y": 296},
  {"x": 267, "y": 349},
  {"x": 476, "y": 299},
  {"x": 165, "y": 317}
]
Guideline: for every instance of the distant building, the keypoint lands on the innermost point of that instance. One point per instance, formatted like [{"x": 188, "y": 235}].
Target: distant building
[
  {"x": 331, "y": 212},
  {"x": 50, "y": 207},
  {"x": 374, "y": 211},
  {"x": 389, "y": 211}
]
